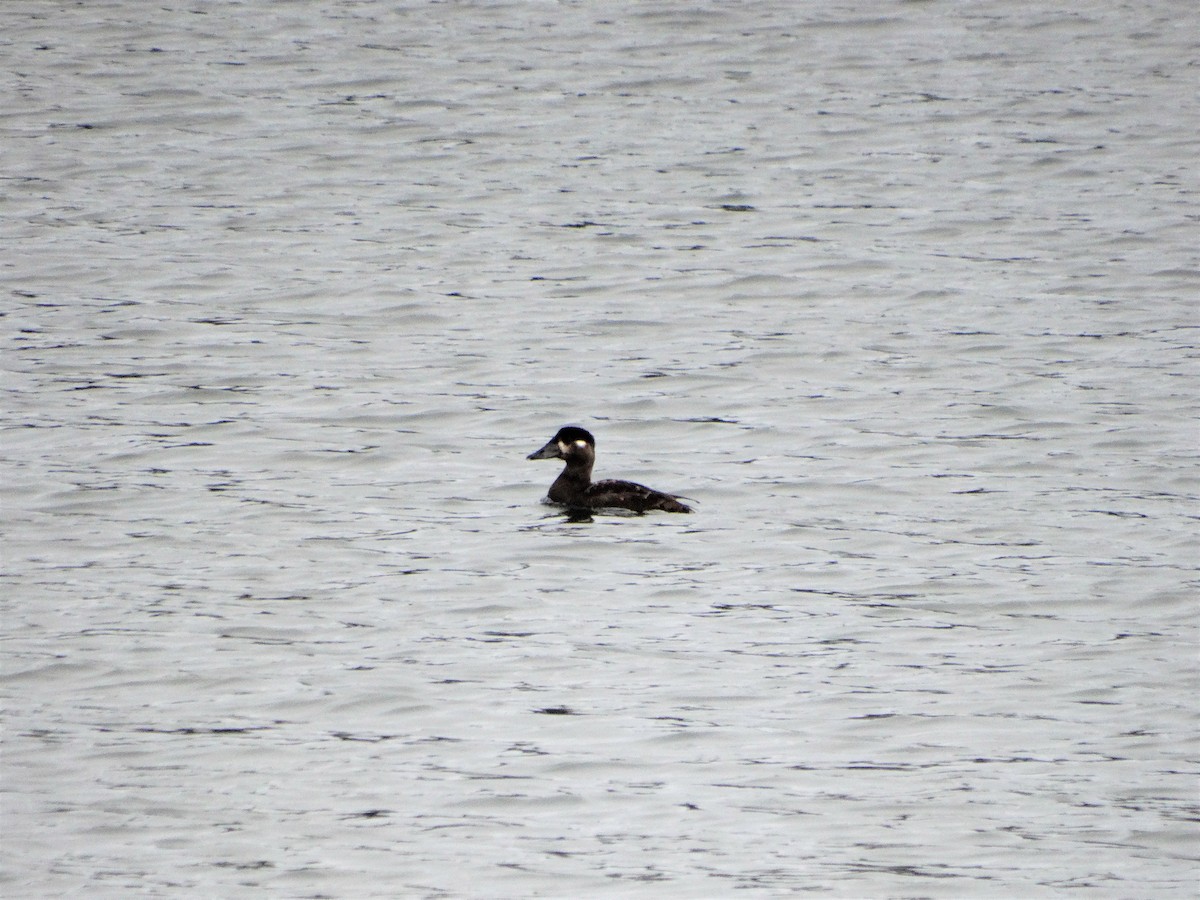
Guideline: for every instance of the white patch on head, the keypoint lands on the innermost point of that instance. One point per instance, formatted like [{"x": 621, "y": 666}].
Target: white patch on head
[{"x": 581, "y": 444}]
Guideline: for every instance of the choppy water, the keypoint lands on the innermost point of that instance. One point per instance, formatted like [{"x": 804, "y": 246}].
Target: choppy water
[{"x": 903, "y": 294}]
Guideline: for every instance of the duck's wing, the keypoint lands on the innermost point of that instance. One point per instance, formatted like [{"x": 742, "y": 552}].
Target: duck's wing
[{"x": 631, "y": 495}]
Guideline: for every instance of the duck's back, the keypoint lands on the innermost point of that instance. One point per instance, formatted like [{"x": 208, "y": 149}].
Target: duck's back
[{"x": 631, "y": 495}]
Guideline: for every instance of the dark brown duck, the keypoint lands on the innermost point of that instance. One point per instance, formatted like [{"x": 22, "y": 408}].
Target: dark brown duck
[{"x": 575, "y": 489}]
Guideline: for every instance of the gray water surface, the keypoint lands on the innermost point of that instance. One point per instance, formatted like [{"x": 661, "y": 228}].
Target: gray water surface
[{"x": 903, "y": 294}]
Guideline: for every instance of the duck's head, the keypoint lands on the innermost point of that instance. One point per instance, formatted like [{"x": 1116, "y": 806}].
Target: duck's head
[{"x": 571, "y": 442}]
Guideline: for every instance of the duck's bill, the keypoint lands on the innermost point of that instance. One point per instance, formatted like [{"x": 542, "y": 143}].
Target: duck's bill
[{"x": 550, "y": 451}]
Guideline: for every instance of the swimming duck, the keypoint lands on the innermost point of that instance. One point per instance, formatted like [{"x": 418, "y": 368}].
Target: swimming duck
[{"x": 575, "y": 489}]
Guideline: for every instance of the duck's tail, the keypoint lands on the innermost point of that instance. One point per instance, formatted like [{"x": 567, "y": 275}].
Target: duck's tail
[{"x": 672, "y": 504}]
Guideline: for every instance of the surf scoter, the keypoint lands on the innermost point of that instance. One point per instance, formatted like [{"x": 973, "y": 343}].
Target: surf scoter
[{"x": 575, "y": 489}]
